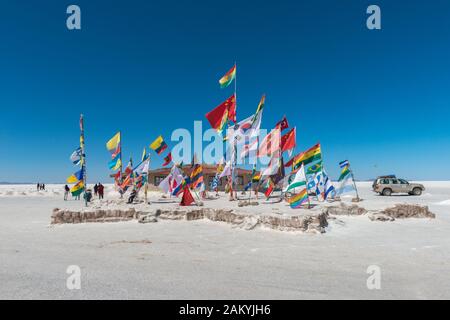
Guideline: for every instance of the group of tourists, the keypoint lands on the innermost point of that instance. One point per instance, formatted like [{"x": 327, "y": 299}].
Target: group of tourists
[
  {"x": 40, "y": 186},
  {"x": 99, "y": 190}
]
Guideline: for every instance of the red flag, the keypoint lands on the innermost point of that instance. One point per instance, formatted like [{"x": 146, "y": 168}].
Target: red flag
[
  {"x": 167, "y": 159},
  {"x": 270, "y": 143},
  {"x": 288, "y": 140},
  {"x": 269, "y": 189},
  {"x": 282, "y": 124},
  {"x": 216, "y": 116},
  {"x": 187, "y": 198}
]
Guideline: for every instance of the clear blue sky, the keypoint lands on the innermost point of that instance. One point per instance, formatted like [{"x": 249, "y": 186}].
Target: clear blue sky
[{"x": 378, "y": 98}]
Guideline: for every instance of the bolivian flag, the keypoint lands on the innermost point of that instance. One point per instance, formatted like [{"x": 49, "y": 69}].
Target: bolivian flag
[
  {"x": 77, "y": 176},
  {"x": 226, "y": 80},
  {"x": 77, "y": 189},
  {"x": 158, "y": 145},
  {"x": 312, "y": 154}
]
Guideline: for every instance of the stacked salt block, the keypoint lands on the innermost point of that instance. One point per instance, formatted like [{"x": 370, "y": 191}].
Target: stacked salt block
[{"x": 60, "y": 216}]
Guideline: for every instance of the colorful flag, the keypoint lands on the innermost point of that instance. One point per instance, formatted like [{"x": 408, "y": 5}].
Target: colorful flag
[
  {"x": 77, "y": 189},
  {"x": 77, "y": 176},
  {"x": 260, "y": 107},
  {"x": 113, "y": 143},
  {"x": 75, "y": 157},
  {"x": 226, "y": 172},
  {"x": 270, "y": 187},
  {"x": 226, "y": 80},
  {"x": 116, "y": 152},
  {"x": 344, "y": 173},
  {"x": 144, "y": 154},
  {"x": 282, "y": 124},
  {"x": 345, "y": 185},
  {"x": 158, "y": 145},
  {"x": 220, "y": 115},
  {"x": 288, "y": 140},
  {"x": 167, "y": 159},
  {"x": 314, "y": 168},
  {"x": 306, "y": 157},
  {"x": 297, "y": 200},
  {"x": 256, "y": 178},
  {"x": 197, "y": 176},
  {"x": 344, "y": 164},
  {"x": 327, "y": 185},
  {"x": 187, "y": 198},
  {"x": 115, "y": 163},
  {"x": 299, "y": 180}
]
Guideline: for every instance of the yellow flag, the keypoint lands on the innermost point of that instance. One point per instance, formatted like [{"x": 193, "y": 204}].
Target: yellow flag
[
  {"x": 157, "y": 143},
  {"x": 113, "y": 142},
  {"x": 72, "y": 179}
]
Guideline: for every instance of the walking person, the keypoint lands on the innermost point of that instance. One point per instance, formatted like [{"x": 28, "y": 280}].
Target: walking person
[
  {"x": 101, "y": 189},
  {"x": 66, "y": 192},
  {"x": 38, "y": 186},
  {"x": 96, "y": 189}
]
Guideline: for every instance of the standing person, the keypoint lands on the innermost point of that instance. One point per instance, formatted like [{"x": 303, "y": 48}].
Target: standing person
[
  {"x": 66, "y": 192},
  {"x": 101, "y": 189},
  {"x": 95, "y": 189},
  {"x": 43, "y": 186},
  {"x": 37, "y": 186}
]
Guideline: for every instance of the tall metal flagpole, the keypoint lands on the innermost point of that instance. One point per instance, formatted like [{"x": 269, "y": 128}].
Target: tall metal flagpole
[
  {"x": 83, "y": 156},
  {"x": 121, "y": 164},
  {"x": 233, "y": 185}
]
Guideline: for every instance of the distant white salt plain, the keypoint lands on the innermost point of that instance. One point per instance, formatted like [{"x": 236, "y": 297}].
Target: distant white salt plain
[{"x": 202, "y": 259}]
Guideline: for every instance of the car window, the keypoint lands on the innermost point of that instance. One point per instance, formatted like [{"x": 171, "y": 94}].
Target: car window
[
  {"x": 393, "y": 181},
  {"x": 403, "y": 181},
  {"x": 384, "y": 181}
]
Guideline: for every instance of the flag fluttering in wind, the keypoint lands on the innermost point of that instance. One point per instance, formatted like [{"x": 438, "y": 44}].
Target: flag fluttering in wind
[
  {"x": 114, "y": 142},
  {"x": 75, "y": 157},
  {"x": 159, "y": 145},
  {"x": 299, "y": 180},
  {"x": 272, "y": 167},
  {"x": 115, "y": 163},
  {"x": 312, "y": 154},
  {"x": 77, "y": 189},
  {"x": 144, "y": 154},
  {"x": 77, "y": 176},
  {"x": 219, "y": 116},
  {"x": 228, "y": 78},
  {"x": 315, "y": 168},
  {"x": 197, "y": 176},
  {"x": 327, "y": 186},
  {"x": 288, "y": 140},
  {"x": 300, "y": 197},
  {"x": 167, "y": 159},
  {"x": 282, "y": 124},
  {"x": 226, "y": 172},
  {"x": 270, "y": 186},
  {"x": 344, "y": 164},
  {"x": 346, "y": 180},
  {"x": 259, "y": 109}
]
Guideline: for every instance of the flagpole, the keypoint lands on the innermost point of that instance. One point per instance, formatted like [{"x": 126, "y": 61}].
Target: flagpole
[
  {"x": 83, "y": 157},
  {"x": 354, "y": 183}
]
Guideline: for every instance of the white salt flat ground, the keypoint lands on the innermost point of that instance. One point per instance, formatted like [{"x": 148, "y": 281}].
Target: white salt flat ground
[{"x": 206, "y": 260}]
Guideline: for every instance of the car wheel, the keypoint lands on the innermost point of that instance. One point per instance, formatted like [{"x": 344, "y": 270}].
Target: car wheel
[
  {"x": 417, "y": 191},
  {"x": 387, "y": 192}
]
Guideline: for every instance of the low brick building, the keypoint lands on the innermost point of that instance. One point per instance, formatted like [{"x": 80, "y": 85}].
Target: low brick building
[{"x": 243, "y": 176}]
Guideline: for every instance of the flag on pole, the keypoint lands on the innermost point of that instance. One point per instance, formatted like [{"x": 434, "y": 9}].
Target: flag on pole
[
  {"x": 282, "y": 124},
  {"x": 288, "y": 140},
  {"x": 115, "y": 163},
  {"x": 167, "y": 159},
  {"x": 306, "y": 157},
  {"x": 220, "y": 115},
  {"x": 327, "y": 185},
  {"x": 77, "y": 189},
  {"x": 270, "y": 187},
  {"x": 75, "y": 157},
  {"x": 159, "y": 145},
  {"x": 344, "y": 164},
  {"x": 315, "y": 168},
  {"x": 113, "y": 143},
  {"x": 297, "y": 200},
  {"x": 144, "y": 154},
  {"x": 299, "y": 180},
  {"x": 259, "y": 109},
  {"x": 197, "y": 176},
  {"x": 228, "y": 78},
  {"x": 272, "y": 168},
  {"x": 77, "y": 176}
]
